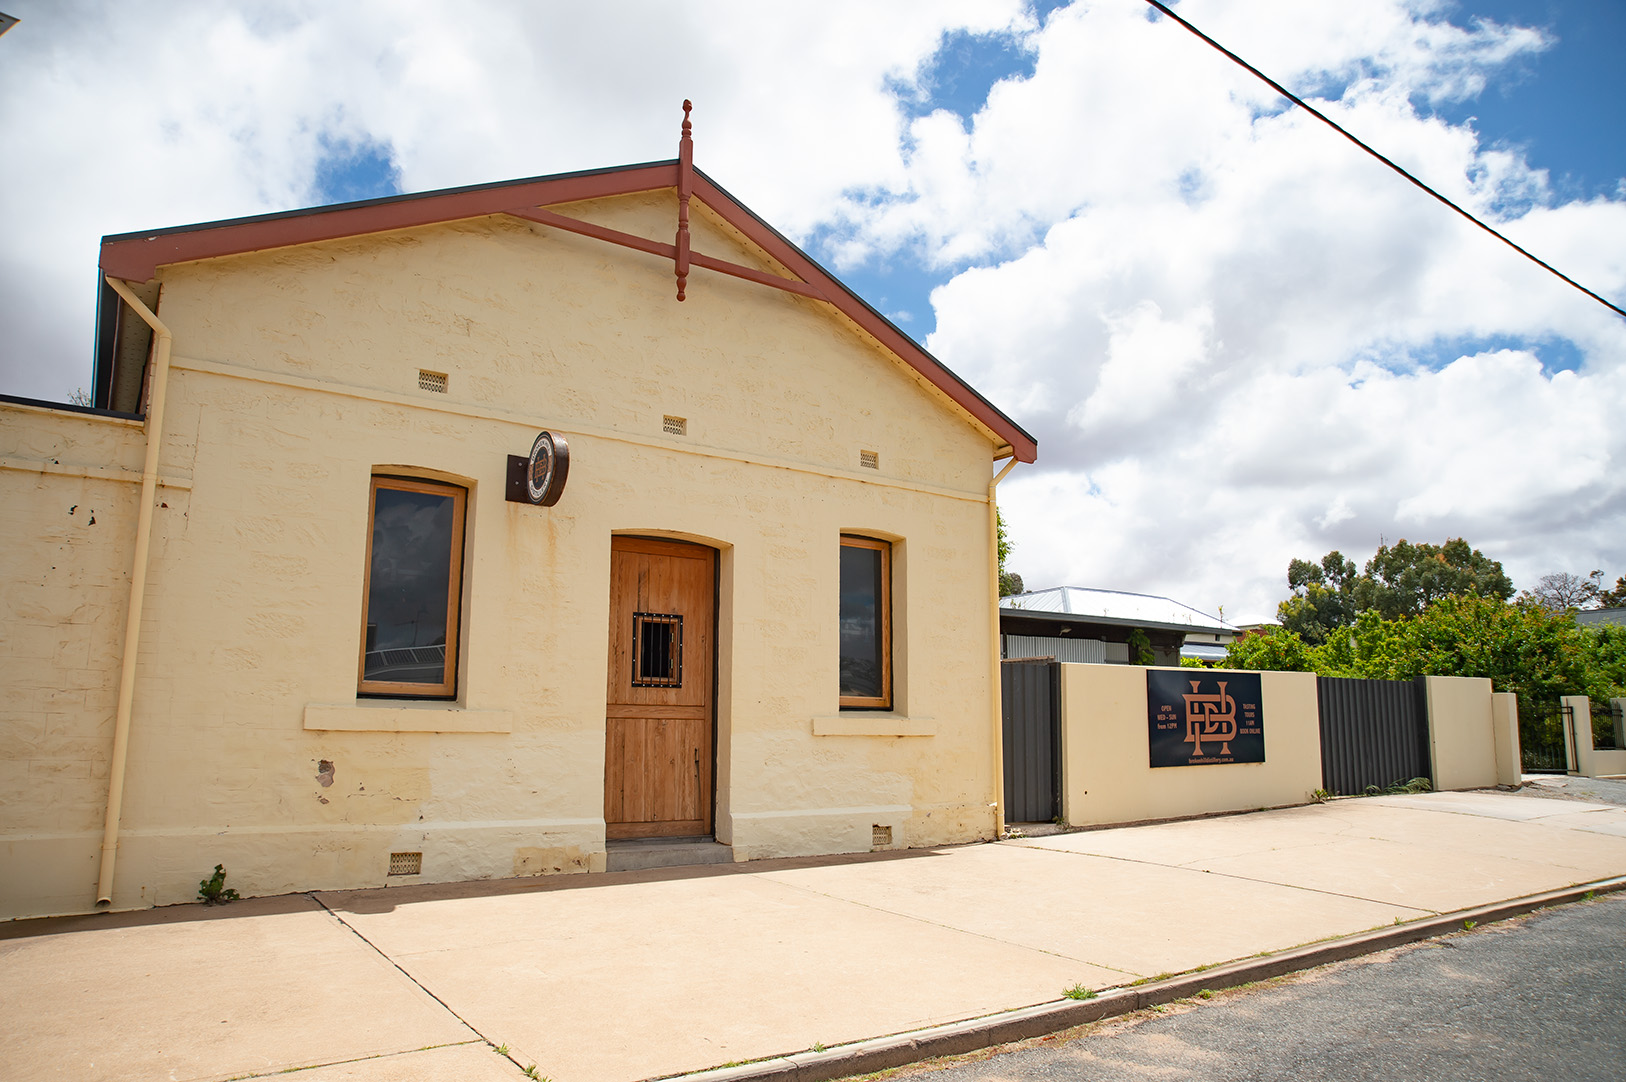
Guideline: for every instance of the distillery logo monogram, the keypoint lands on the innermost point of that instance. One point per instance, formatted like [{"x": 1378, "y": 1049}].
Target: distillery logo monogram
[
  {"x": 1204, "y": 719},
  {"x": 1211, "y": 718}
]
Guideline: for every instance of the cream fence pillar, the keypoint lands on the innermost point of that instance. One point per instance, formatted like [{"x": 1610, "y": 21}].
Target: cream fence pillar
[
  {"x": 1590, "y": 761},
  {"x": 1505, "y": 736}
]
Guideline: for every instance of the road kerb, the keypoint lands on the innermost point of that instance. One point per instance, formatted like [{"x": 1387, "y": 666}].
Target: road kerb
[{"x": 987, "y": 1031}]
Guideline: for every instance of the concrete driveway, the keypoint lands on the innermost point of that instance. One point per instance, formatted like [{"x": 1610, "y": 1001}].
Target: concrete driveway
[{"x": 638, "y": 975}]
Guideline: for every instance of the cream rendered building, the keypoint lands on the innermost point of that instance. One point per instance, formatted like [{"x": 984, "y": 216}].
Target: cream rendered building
[{"x": 761, "y": 610}]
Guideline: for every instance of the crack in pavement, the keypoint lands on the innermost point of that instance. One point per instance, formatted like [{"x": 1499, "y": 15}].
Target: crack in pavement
[{"x": 425, "y": 988}]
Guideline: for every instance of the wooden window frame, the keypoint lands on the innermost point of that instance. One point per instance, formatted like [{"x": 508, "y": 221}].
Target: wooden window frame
[
  {"x": 884, "y": 625},
  {"x": 447, "y": 688}
]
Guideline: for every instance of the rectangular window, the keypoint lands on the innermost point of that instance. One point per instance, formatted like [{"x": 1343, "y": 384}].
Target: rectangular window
[
  {"x": 413, "y": 589},
  {"x": 866, "y": 623},
  {"x": 657, "y": 650}
]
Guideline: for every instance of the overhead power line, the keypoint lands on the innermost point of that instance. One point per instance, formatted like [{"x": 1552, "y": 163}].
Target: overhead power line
[{"x": 1333, "y": 124}]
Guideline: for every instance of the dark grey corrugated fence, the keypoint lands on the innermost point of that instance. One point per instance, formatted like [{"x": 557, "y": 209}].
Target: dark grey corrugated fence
[
  {"x": 1030, "y": 697},
  {"x": 1373, "y": 732}
]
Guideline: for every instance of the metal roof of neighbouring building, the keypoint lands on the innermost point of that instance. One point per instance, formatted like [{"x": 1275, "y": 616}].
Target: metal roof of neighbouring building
[{"x": 1112, "y": 606}]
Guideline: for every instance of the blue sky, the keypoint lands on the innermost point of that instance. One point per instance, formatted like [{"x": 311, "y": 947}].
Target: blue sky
[
  {"x": 1565, "y": 108},
  {"x": 1236, "y": 339}
]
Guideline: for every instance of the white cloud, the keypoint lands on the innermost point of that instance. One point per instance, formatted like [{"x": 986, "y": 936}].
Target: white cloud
[
  {"x": 1214, "y": 336},
  {"x": 1238, "y": 339},
  {"x": 116, "y": 117}
]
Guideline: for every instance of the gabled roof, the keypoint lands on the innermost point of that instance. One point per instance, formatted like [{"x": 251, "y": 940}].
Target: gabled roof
[
  {"x": 136, "y": 257},
  {"x": 1082, "y": 605}
]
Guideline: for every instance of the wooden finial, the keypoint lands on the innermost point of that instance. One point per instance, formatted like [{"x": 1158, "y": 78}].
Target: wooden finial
[{"x": 685, "y": 187}]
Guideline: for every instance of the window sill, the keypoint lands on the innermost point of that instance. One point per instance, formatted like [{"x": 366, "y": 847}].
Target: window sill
[
  {"x": 877, "y": 723},
  {"x": 405, "y": 717}
]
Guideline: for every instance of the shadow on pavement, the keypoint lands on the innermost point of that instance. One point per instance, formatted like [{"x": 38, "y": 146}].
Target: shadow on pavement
[{"x": 386, "y": 899}]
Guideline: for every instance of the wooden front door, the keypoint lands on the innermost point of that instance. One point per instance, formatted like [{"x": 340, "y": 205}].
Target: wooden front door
[{"x": 657, "y": 726}]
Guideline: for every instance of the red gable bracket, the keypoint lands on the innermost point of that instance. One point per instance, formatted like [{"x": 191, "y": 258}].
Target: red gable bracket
[{"x": 679, "y": 254}]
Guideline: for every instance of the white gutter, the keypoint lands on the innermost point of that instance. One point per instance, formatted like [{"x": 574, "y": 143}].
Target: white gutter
[
  {"x": 996, "y": 706},
  {"x": 138, "y": 589}
]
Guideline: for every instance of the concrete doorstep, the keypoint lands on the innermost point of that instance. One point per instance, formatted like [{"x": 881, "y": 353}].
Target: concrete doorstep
[
  {"x": 974, "y": 1034},
  {"x": 645, "y": 853}
]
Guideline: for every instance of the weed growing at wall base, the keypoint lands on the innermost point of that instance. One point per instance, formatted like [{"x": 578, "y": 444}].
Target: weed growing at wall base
[
  {"x": 1078, "y": 991},
  {"x": 1402, "y": 788},
  {"x": 214, "y": 891}
]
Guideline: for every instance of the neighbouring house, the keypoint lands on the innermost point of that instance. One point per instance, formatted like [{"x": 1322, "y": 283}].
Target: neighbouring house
[
  {"x": 434, "y": 538},
  {"x": 1601, "y": 617},
  {"x": 1072, "y": 623}
]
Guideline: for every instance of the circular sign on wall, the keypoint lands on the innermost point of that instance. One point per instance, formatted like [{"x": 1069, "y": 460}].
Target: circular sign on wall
[{"x": 546, "y": 468}]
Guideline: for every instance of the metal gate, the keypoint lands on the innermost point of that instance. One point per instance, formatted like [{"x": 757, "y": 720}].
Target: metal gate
[
  {"x": 1373, "y": 733},
  {"x": 1542, "y": 747},
  {"x": 1030, "y": 699}
]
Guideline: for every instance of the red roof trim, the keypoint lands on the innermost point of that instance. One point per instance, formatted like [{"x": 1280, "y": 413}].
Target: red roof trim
[{"x": 137, "y": 256}]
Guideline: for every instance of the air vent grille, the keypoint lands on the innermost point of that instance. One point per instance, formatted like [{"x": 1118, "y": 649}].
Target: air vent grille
[
  {"x": 881, "y": 837},
  {"x": 406, "y": 863},
  {"x": 432, "y": 381},
  {"x": 870, "y": 460},
  {"x": 675, "y": 426}
]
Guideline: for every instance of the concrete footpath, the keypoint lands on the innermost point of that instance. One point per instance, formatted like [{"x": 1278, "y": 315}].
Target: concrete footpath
[{"x": 796, "y": 966}]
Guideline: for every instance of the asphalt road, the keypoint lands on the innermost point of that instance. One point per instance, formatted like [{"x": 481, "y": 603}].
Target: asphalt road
[{"x": 1539, "y": 997}]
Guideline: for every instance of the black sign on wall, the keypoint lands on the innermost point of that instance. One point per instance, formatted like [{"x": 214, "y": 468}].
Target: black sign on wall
[{"x": 1199, "y": 718}]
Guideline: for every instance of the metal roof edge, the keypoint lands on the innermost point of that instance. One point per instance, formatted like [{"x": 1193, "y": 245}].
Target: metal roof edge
[{"x": 1050, "y": 616}]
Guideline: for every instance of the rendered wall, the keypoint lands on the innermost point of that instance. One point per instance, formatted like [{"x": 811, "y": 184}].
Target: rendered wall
[
  {"x": 69, "y": 483},
  {"x": 1106, "y": 771},
  {"x": 295, "y": 377},
  {"x": 1462, "y": 738},
  {"x": 1505, "y": 734},
  {"x": 1593, "y": 762}
]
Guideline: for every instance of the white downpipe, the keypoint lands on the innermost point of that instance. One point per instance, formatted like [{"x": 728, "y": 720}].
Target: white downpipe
[
  {"x": 995, "y": 707},
  {"x": 138, "y": 590}
]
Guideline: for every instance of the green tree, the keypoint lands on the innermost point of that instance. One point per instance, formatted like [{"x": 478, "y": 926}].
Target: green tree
[
  {"x": 1605, "y": 649},
  {"x": 1271, "y": 650},
  {"x": 1616, "y": 598},
  {"x": 1140, "y": 647},
  {"x": 1405, "y": 579},
  {"x": 1520, "y": 647},
  {"x": 1323, "y": 597},
  {"x": 1399, "y": 580},
  {"x": 1009, "y": 581}
]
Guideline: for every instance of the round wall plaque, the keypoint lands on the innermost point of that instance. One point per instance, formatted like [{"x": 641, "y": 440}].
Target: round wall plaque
[{"x": 546, "y": 469}]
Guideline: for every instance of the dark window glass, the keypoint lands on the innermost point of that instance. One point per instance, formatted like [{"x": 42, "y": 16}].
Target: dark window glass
[
  {"x": 657, "y": 649},
  {"x": 412, "y": 588},
  {"x": 863, "y": 623}
]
